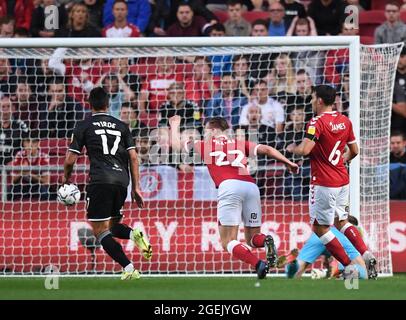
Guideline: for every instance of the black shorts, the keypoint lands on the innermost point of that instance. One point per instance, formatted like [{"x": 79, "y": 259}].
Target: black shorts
[{"x": 104, "y": 201}]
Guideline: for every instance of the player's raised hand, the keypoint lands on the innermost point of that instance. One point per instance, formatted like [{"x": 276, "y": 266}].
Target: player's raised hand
[
  {"x": 175, "y": 121},
  {"x": 137, "y": 197},
  {"x": 292, "y": 167}
]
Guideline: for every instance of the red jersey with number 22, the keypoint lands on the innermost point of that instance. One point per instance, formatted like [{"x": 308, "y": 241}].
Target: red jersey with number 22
[
  {"x": 226, "y": 158},
  {"x": 331, "y": 131}
]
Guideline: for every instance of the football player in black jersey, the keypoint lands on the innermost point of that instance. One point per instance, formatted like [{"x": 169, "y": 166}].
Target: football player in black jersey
[{"x": 111, "y": 151}]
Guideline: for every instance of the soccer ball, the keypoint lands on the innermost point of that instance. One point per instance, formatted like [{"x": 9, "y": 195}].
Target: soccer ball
[
  {"x": 318, "y": 274},
  {"x": 68, "y": 194}
]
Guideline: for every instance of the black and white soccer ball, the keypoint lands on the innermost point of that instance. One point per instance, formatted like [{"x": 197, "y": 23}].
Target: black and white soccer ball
[{"x": 68, "y": 194}]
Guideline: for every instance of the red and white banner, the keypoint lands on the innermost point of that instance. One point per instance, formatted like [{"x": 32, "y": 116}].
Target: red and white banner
[{"x": 184, "y": 236}]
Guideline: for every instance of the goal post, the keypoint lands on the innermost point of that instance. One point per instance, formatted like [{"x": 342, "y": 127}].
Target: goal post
[{"x": 180, "y": 213}]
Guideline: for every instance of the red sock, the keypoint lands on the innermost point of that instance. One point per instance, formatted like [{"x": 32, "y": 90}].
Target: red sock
[
  {"x": 353, "y": 234},
  {"x": 335, "y": 248},
  {"x": 258, "y": 240},
  {"x": 241, "y": 252}
]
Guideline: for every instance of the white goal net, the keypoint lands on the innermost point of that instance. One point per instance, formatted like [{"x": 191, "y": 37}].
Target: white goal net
[{"x": 264, "y": 92}]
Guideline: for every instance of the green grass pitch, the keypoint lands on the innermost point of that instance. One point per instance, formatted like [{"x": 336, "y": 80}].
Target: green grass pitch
[{"x": 173, "y": 288}]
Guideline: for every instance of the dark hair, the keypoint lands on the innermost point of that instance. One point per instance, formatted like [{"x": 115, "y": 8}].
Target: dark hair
[
  {"x": 398, "y": 133},
  {"x": 184, "y": 4},
  {"x": 352, "y": 220},
  {"x": 301, "y": 71},
  {"x": 326, "y": 93},
  {"x": 227, "y": 74},
  {"x": 22, "y": 80},
  {"x": 231, "y": 3},
  {"x": 393, "y": 3},
  {"x": 217, "y": 27},
  {"x": 32, "y": 135},
  {"x": 260, "y": 22},
  {"x": 239, "y": 57},
  {"x": 55, "y": 80},
  {"x": 205, "y": 59},
  {"x": 6, "y": 20},
  {"x": 217, "y": 123},
  {"x": 22, "y": 32},
  {"x": 120, "y": 1},
  {"x": 128, "y": 104},
  {"x": 403, "y": 52},
  {"x": 98, "y": 99}
]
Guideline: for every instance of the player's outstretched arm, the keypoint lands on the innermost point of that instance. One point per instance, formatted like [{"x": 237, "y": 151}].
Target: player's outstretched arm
[
  {"x": 68, "y": 165},
  {"x": 303, "y": 149},
  {"x": 351, "y": 153},
  {"x": 135, "y": 179},
  {"x": 272, "y": 152},
  {"x": 174, "y": 123}
]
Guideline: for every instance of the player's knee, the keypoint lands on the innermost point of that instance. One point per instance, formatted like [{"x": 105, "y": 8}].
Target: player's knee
[{"x": 100, "y": 227}]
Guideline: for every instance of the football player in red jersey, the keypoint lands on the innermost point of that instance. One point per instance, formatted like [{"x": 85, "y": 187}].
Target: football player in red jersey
[
  {"x": 238, "y": 195},
  {"x": 327, "y": 136}
]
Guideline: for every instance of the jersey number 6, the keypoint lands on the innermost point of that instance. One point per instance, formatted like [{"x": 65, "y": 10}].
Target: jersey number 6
[{"x": 335, "y": 154}]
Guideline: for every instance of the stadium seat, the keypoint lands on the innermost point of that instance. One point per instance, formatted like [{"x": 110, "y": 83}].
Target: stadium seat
[
  {"x": 221, "y": 15},
  {"x": 403, "y": 16},
  {"x": 367, "y": 40},
  {"x": 251, "y": 16},
  {"x": 369, "y": 21},
  {"x": 378, "y": 4}
]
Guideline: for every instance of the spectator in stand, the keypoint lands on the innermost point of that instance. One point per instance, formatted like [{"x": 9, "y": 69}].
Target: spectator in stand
[
  {"x": 293, "y": 9},
  {"x": 21, "y": 33},
  {"x": 188, "y": 24},
  {"x": 21, "y": 10},
  {"x": 143, "y": 146},
  {"x": 255, "y": 130},
  {"x": 221, "y": 5},
  {"x": 397, "y": 147},
  {"x": 176, "y": 104},
  {"x": 241, "y": 74},
  {"x": 278, "y": 26},
  {"x": 8, "y": 80},
  {"x": 200, "y": 87},
  {"x": 121, "y": 67},
  {"x": 295, "y": 186},
  {"x": 154, "y": 89},
  {"x": 226, "y": 103},
  {"x": 95, "y": 9},
  {"x": 302, "y": 27},
  {"x": 120, "y": 28},
  {"x": 11, "y": 131},
  {"x": 236, "y": 25},
  {"x": 398, "y": 121},
  {"x": 38, "y": 73},
  {"x": 393, "y": 30},
  {"x": 281, "y": 79},
  {"x": 33, "y": 183},
  {"x": 25, "y": 106},
  {"x": 81, "y": 75},
  {"x": 337, "y": 60},
  {"x": 261, "y": 63},
  {"x": 139, "y": 12},
  {"x": 78, "y": 24},
  {"x": 397, "y": 165},
  {"x": 272, "y": 111},
  {"x": 59, "y": 114},
  {"x": 6, "y": 27},
  {"x": 220, "y": 63},
  {"x": 38, "y": 28},
  {"x": 328, "y": 16},
  {"x": 119, "y": 92},
  {"x": 403, "y": 8},
  {"x": 129, "y": 116},
  {"x": 165, "y": 14}
]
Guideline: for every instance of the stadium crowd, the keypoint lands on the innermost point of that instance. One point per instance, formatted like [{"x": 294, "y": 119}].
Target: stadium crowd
[{"x": 267, "y": 95}]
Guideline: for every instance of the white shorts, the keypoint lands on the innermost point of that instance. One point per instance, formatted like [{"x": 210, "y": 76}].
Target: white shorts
[
  {"x": 327, "y": 203},
  {"x": 239, "y": 201}
]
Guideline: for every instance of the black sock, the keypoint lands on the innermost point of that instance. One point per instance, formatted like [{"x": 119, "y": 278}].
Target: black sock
[
  {"x": 113, "y": 248},
  {"x": 121, "y": 231}
]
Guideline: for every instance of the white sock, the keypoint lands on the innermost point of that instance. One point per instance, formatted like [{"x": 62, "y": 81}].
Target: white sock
[{"x": 129, "y": 268}]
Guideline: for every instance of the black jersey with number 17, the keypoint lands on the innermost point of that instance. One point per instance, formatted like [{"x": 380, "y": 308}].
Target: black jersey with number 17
[{"x": 107, "y": 141}]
